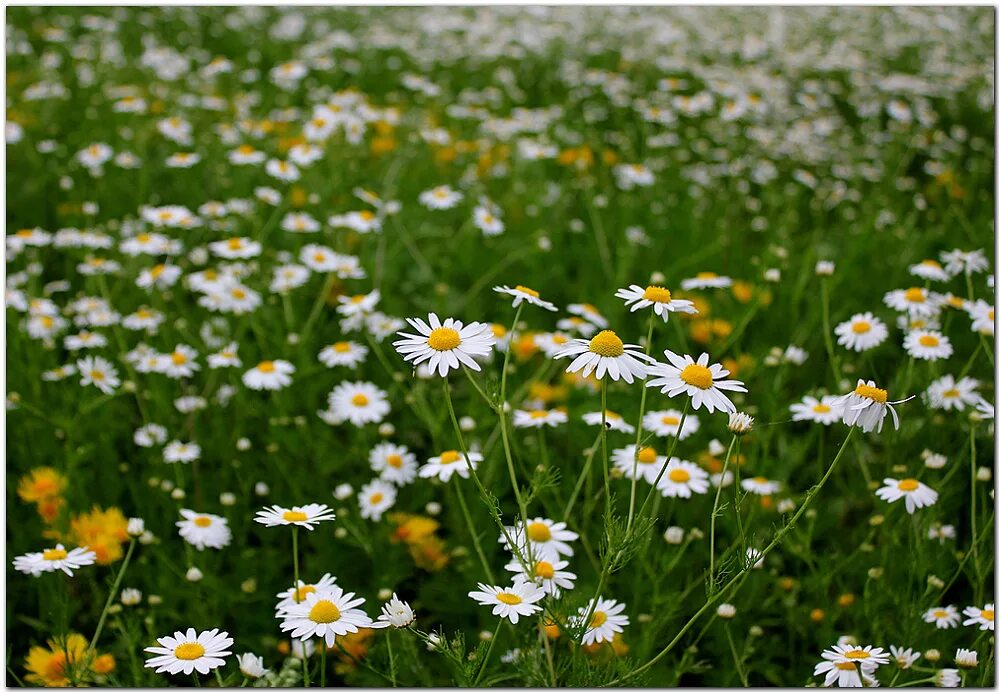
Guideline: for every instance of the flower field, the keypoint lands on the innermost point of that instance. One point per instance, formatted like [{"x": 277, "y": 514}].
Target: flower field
[{"x": 522, "y": 346}]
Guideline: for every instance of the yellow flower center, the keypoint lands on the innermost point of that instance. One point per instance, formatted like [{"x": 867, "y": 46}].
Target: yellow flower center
[
  {"x": 526, "y": 290},
  {"x": 987, "y": 614},
  {"x": 679, "y": 476},
  {"x": 544, "y": 570},
  {"x": 324, "y": 611},
  {"x": 696, "y": 375},
  {"x": 539, "y": 531},
  {"x": 294, "y": 516},
  {"x": 940, "y": 613},
  {"x": 375, "y": 498},
  {"x": 189, "y": 651},
  {"x": 860, "y": 327},
  {"x": 342, "y": 347},
  {"x": 857, "y": 654},
  {"x": 450, "y": 457},
  {"x": 846, "y": 666},
  {"x": 821, "y": 408},
  {"x": 929, "y": 340},
  {"x": 508, "y": 598},
  {"x": 359, "y": 400},
  {"x": 646, "y": 455},
  {"x": 157, "y": 271},
  {"x": 235, "y": 243},
  {"x": 908, "y": 485},
  {"x": 444, "y": 339},
  {"x": 246, "y": 149},
  {"x": 914, "y": 295},
  {"x": 96, "y": 375},
  {"x": 203, "y": 521},
  {"x": 539, "y": 414},
  {"x": 394, "y": 461},
  {"x": 498, "y": 330},
  {"x": 319, "y": 257},
  {"x": 706, "y": 275},
  {"x": 598, "y": 619},
  {"x": 300, "y": 593},
  {"x": 670, "y": 420},
  {"x": 367, "y": 214},
  {"x": 873, "y": 393},
  {"x": 931, "y": 263},
  {"x": 178, "y": 358},
  {"x": 656, "y": 294},
  {"x": 606, "y": 343},
  {"x": 266, "y": 366},
  {"x": 54, "y": 554}
]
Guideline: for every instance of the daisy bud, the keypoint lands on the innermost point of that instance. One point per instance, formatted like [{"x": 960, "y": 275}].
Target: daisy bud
[
  {"x": 875, "y": 573},
  {"x": 756, "y": 631},
  {"x": 786, "y": 505},
  {"x": 772, "y": 275},
  {"x": 876, "y": 520},
  {"x": 384, "y": 594},
  {"x": 293, "y": 338},
  {"x": 467, "y": 423},
  {"x": 486, "y": 635},
  {"x": 343, "y": 491},
  {"x": 674, "y": 535},
  {"x": 755, "y": 558},
  {"x": 260, "y": 488},
  {"x": 935, "y": 461},
  {"x": 824, "y": 268},
  {"x": 227, "y": 498},
  {"x": 966, "y": 659},
  {"x": 657, "y": 278},
  {"x": 433, "y": 508},
  {"x": 726, "y": 610},
  {"x": 178, "y": 494},
  {"x": 644, "y": 618},
  {"x": 847, "y": 640},
  {"x": 946, "y": 678},
  {"x": 433, "y": 640},
  {"x": 740, "y": 424},
  {"x": 154, "y": 600},
  {"x": 193, "y": 575},
  {"x": 115, "y": 609},
  {"x": 386, "y": 429},
  {"x": 243, "y": 444},
  {"x": 695, "y": 534},
  {"x": 130, "y": 596},
  {"x": 249, "y": 586},
  {"x": 166, "y": 485},
  {"x": 544, "y": 244},
  {"x": 340, "y": 533},
  {"x": 147, "y": 538},
  {"x": 251, "y": 665},
  {"x": 984, "y": 474},
  {"x": 932, "y": 655},
  {"x": 935, "y": 582},
  {"x": 136, "y": 526}
]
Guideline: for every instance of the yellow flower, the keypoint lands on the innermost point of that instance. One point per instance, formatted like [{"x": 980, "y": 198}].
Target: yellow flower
[
  {"x": 48, "y": 667},
  {"x": 42, "y": 483},
  {"x": 103, "y": 531}
]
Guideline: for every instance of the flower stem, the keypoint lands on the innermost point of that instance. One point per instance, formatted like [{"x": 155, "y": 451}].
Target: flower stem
[
  {"x": 670, "y": 454},
  {"x": 472, "y": 529},
  {"x": 638, "y": 431},
  {"x": 295, "y": 596},
  {"x": 111, "y": 597},
  {"x": 604, "y": 446},
  {"x": 583, "y": 477},
  {"x": 715, "y": 511},
  {"x": 489, "y": 651}
]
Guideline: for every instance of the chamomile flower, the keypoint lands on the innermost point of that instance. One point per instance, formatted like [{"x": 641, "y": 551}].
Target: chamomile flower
[
  {"x": 930, "y": 269},
  {"x": 613, "y": 420},
  {"x": 862, "y": 332},
  {"x": 947, "y": 393},
  {"x": 227, "y": 357},
  {"x": 251, "y": 665},
  {"x": 703, "y": 383},
  {"x": 904, "y": 658},
  {"x": 915, "y": 301},
  {"x": 524, "y": 294},
  {"x": 306, "y": 516},
  {"x": 539, "y": 418},
  {"x": 235, "y": 248},
  {"x": 269, "y": 375},
  {"x": 760, "y": 485},
  {"x": 395, "y": 613},
  {"x": 943, "y": 617},
  {"x": 149, "y": 435},
  {"x": 681, "y": 479},
  {"x": 915, "y": 493},
  {"x": 575, "y": 324},
  {"x": 847, "y": 658},
  {"x": 927, "y": 345},
  {"x": 866, "y": 407},
  {"x": 282, "y": 170},
  {"x": 204, "y": 529},
  {"x": 180, "y": 363},
  {"x": 706, "y": 280},
  {"x": 445, "y": 345},
  {"x": 360, "y": 403},
  {"x": 983, "y": 317},
  {"x": 179, "y": 451},
  {"x": 358, "y": 304},
  {"x": 606, "y": 619},
  {"x": 964, "y": 261},
  {"x": 826, "y": 410},
  {"x": 441, "y": 197},
  {"x": 605, "y": 354},
  {"x": 657, "y": 297},
  {"x": 394, "y": 463},
  {"x": 98, "y": 372},
  {"x": 510, "y": 602},
  {"x": 295, "y": 595},
  {"x": 547, "y": 538},
  {"x": 646, "y": 463},
  {"x": 588, "y": 313},
  {"x": 984, "y": 618},
  {"x": 190, "y": 651},
  {"x": 668, "y": 422},
  {"x": 326, "y": 615},
  {"x": 449, "y": 462},
  {"x": 56, "y": 558},
  {"x": 350, "y": 354},
  {"x": 551, "y": 575}
]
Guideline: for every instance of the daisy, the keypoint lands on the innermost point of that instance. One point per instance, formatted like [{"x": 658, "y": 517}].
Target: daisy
[
  {"x": 190, "y": 651},
  {"x": 548, "y": 539},
  {"x": 98, "y": 372},
  {"x": 487, "y": 219},
  {"x": 282, "y": 170},
  {"x": 862, "y": 332},
  {"x": 251, "y": 665},
  {"x": 349, "y": 354},
  {"x": 539, "y": 418},
  {"x": 149, "y": 435},
  {"x": 823, "y": 411},
  {"x": 180, "y": 363},
  {"x": 445, "y": 345},
  {"x": 930, "y": 269},
  {"x": 646, "y": 463},
  {"x": 227, "y": 357},
  {"x": 904, "y": 658},
  {"x": 964, "y": 262},
  {"x": 143, "y": 319},
  {"x": 299, "y": 222},
  {"x": 523, "y": 293},
  {"x": 394, "y": 463},
  {"x": 656, "y": 296},
  {"x": 942, "y": 616},
  {"x": 449, "y": 462},
  {"x": 983, "y": 618},
  {"x": 326, "y": 615},
  {"x": 575, "y": 324},
  {"x": 359, "y": 304},
  {"x": 57, "y": 558},
  {"x": 588, "y": 313},
  {"x": 842, "y": 660},
  {"x": 288, "y": 277},
  {"x": 915, "y": 301},
  {"x": 441, "y": 197},
  {"x": 551, "y": 343},
  {"x": 550, "y": 575},
  {"x": 947, "y": 393},
  {"x": 605, "y": 354},
  {"x": 295, "y": 595},
  {"x": 375, "y": 498},
  {"x": 178, "y": 451},
  {"x": 682, "y": 478},
  {"x": 606, "y": 619},
  {"x": 927, "y": 345},
  {"x": 983, "y": 320},
  {"x": 235, "y": 248},
  {"x": 917, "y": 494},
  {"x": 300, "y": 515},
  {"x": 703, "y": 383},
  {"x": 510, "y": 602},
  {"x": 360, "y": 403},
  {"x": 269, "y": 375},
  {"x": 867, "y": 405},
  {"x": 760, "y": 485},
  {"x": 204, "y": 529},
  {"x": 395, "y": 613},
  {"x": 612, "y": 420},
  {"x": 706, "y": 280},
  {"x": 668, "y": 423}
]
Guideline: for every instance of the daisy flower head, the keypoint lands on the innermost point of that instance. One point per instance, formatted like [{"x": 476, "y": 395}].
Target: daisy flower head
[
  {"x": 251, "y": 665},
  {"x": 360, "y": 403},
  {"x": 269, "y": 375},
  {"x": 306, "y": 516},
  {"x": 190, "y": 651},
  {"x": 702, "y": 382},
  {"x": 325, "y": 615},
  {"x": 760, "y": 485},
  {"x": 56, "y": 558},
  {"x": 930, "y": 269},
  {"x": 947, "y": 393},
  {"x": 605, "y": 354},
  {"x": 394, "y": 463},
  {"x": 927, "y": 345},
  {"x": 964, "y": 261},
  {"x": 915, "y": 493},
  {"x": 588, "y": 313},
  {"x": 358, "y": 304},
  {"x": 826, "y": 410},
  {"x": 395, "y": 613},
  {"x": 441, "y": 197},
  {"x": 983, "y": 317},
  {"x": 862, "y": 332},
  {"x": 525, "y": 295},
  {"x": 646, "y": 462},
  {"x": 375, "y": 498},
  {"x": 667, "y": 423},
  {"x": 445, "y": 345},
  {"x": 295, "y": 595},
  {"x": 539, "y": 418},
  {"x": 681, "y": 479},
  {"x": 657, "y": 297},
  {"x": 613, "y": 421},
  {"x": 905, "y": 658},
  {"x": 942, "y": 616},
  {"x": 984, "y": 618},
  {"x": 547, "y": 538},
  {"x": 350, "y": 354},
  {"x": 866, "y": 407},
  {"x": 551, "y": 575},
  {"x": 98, "y": 372},
  {"x": 915, "y": 301},
  {"x": 204, "y": 529},
  {"x": 606, "y": 619},
  {"x": 450, "y": 462},
  {"x": 179, "y": 451},
  {"x": 510, "y": 602},
  {"x": 706, "y": 280}
]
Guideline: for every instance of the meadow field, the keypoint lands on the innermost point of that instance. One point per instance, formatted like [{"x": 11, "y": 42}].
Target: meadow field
[{"x": 522, "y": 346}]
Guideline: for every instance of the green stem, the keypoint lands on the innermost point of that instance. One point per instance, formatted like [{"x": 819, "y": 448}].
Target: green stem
[
  {"x": 489, "y": 651},
  {"x": 295, "y": 596},
  {"x": 715, "y": 512},
  {"x": 604, "y": 446},
  {"x": 111, "y": 597},
  {"x": 638, "y": 432},
  {"x": 584, "y": 475},
  {"x": 472, "y": 529},
  {"x": 827, "y": 335},
  {"x": 392, "y": 661}
]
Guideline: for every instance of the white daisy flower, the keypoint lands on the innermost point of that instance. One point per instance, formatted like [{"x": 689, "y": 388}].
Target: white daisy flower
[
  {"x": 445, "y": 345},
  {"x": 179, "y": 451},
  {"x": 449, "y": 462},
  {"x": 984, "y": 618},
  {"x": 606, "y": 354},
  {"x": 760, "y": 485},
  {"x": 964, "y": 262},
  {"x": 395, "y": 613},
  {"x": 549, "y": 539},
  {"x": 523, "y": 293},
  {"x": 915, "y": 301},
  {"x": 823, "y": 411},
  {"x": 251, "y": 665},
  {"x": 325, "y": 615},
  {"x": 510, "y": 602},
  {"x": 227, "y": 357},
  {"x": 867, "y": 405},
  {"x": 294, "y": 595},
  {"x": 149, "y": 435},
  {"x": 394, "y": 463},
  {"x": 539, "y": 418},
  {"x": 375, "y": 498},
  {"x": 235, "y": 248},
  {"x": 282, "y": 170},
  {"x": 349, "y": 354},
  {"x": 703, "y": 383},
  {"x": 360, "y": 403},
  {"x": 588, "y": 313},
  {"x": 668, "y": 422},
  {"x": 947, "y": 393},
  {"x": 983, "y": 317},
  {"x": 550, "y": 575},
  {"x": 269, "y": 375},
  {"x": 56, "y": 558},
  {"x": 646, "y": 463},
  {"x": 180, "y": 363},
  {"x": 98, "y": 372},
  {"x": 942, "y": 616},
  {"x": 204, "y": 529},
  {"x": 301, "y": 515},
  {"x": 441, "y": 197},
  {"x": 682, "y": 478},
  {"x": 930, "y": 269},
  {"x": 659, "y": 298},
  {"x": 575, "y": 324},
  {"x": 358, "y": 304},
  {"x": 706, "y": 280},
  {"x": 927, "y": 345},
  {"x": 862, "y": 332},
  {"x": 916, "y": 493},
  {"x": 190, "y": 651},
  {"x": 606, "y": 619},
  {"x": 613, "y": 420}
]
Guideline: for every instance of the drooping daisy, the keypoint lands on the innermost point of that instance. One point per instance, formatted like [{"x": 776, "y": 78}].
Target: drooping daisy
[
  {"x": 539, "y": 418},
  {"x": 942, "y": 616},
  {"x": 325, "y": 615},
  {"x": 395, "y": 613},
  {"x": 449, "y": 462},
  {"x": 760, "y": 485},
  {"x": 301, "y": 515},
  {"x": 349, "y": 354},
  {"x": 375, "y": 498},
  {"x": 867, "y": 405},
  {"x": 682, "y": 478},
  {"x": 862, "y": 332},
  {"x": 706, "y": 280},
  {"x": 394, "y": 463},
  {"x": 524, "y": 294},
  {"x": 668, "y": 422},
  {"x": 547, "y": 538},
  {"x": 646, "y": 463},
  {"x": 606, "y": 619},
  {"x": 605, "y": 354},
  {"x": 662, "y": 302},
  {"x": 251, "y": 665},
  {"x": 295, "y": 595},
  {"x": 927, "y": 345},
  {"x": 947, "y": 393},
  {"x": 905, "y": 658},
  {"x": 984, "y": 618},
  {"x": 613, "y": 420},
  {"x": 916, "y": 493},
  {"x": 588, "y": 313},
  {"x": 703, "y": 383},
  {"x": 915, "y": 301},
  {"x": 98, "y": 372},
  {"x": 190, "y": 651},
  {"x": 964, "y": 261},
  {"x": 360, "y": 403},
  {"x": 510, "y": 602},
  {"x": 56, "y": 558},
  {"x": 929, "y": 269},
  {"x": 269, "y": 375},
  {"x": 823, "y": 411},
  {"x": 204, "y": 529},
  {"x": 551, "y": 575},
  {"x": 445, "y": 345}
]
